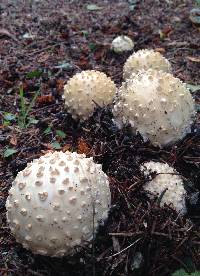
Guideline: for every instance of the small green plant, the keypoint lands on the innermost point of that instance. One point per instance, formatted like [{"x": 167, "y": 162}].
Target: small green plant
[
  {"x": 23, "y": 119},
  {"x": 182, "y": 272}
]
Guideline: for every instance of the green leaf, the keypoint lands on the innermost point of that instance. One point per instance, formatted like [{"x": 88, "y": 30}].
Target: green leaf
[
  {"x": 132, "y": 4},
  {"x": 32, "y": 120},
  {"x": 65, "y": 65},
  {"x": 92, "y": 46},
  {"x": 47, "y": 130},
  {"x": 56, "y": 145},
  {"x": 85, "y": 33},
  {"x": 6, "y": 123},
  {"x": 193, "y": 88},
  {"x": 34, "y": 74},
  {"x": 9, "y": 151},
  {"x": 195, "y": 16},
  {"x": 182, "y": 272},
  {"x": 60, "y": 133},
  {"x": 93, "y": 7},
  {"x": 131, "y": 7},
  {"x": 198, "y": 2},
  {"x": 9, "y": 116}
]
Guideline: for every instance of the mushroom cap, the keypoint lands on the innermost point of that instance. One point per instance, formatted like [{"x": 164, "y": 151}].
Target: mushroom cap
[
  {"x": 157, "y": 105},
  {"x": 167, "y": 183},
  {"x": 57, "y": 202},
  {"x": 86, "y": 89},
  {"x": 122, "y": 43},
  {"x": 143, "y": 60}
]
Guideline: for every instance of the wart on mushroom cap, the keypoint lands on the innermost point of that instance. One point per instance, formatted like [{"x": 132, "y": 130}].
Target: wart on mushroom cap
[
  {"x": 168, "y": 182},
  {"x": 86, "y": 89},
  {"x": 54, "y": 202},
  {"x": 143, "y": 60},
  {"x": 157, "y": 105}
]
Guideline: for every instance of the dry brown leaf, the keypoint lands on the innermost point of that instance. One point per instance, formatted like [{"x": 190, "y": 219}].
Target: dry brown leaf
[
  {"x": 46, "y": 99},
  {"x": 66, "y": 147},
  {"x": 60, "y": 85},
  {"x": 83, "y": 147},
  {"x": 13, "y": 140}
]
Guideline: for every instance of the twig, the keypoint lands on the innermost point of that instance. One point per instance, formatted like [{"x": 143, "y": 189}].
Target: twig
[{"x": 118, "y": 253}]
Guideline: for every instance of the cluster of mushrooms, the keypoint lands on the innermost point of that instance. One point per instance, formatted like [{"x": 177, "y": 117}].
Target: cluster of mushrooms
[{"x": 56, "y": 204}]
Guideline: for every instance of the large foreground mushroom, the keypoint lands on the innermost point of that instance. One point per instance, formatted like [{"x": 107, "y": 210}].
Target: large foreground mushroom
[{"x": 57, "y": 203}]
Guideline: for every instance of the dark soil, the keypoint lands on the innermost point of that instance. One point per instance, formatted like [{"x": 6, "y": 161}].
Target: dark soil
[{"x": 54, "y": 40}]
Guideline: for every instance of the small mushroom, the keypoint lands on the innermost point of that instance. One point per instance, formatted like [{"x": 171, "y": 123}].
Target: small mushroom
[
  {"x": 122, "y": 43},
  {"x": 166, "y": 184},
  {"x": 57, "y": 203}
]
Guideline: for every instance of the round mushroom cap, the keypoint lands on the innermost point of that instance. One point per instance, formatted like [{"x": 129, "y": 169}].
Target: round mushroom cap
[
  {"x": 84, "y": 91},
  {"x": 166, "y": 184},
  {"x": 144, "y": 60},
  {"x": 122, "y": 43},
  {"x": 57, "y": 202},
  {"x": 157, "y": 105}
]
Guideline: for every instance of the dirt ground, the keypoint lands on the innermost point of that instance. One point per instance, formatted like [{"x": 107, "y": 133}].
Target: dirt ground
[{"x": 43, "y": 44}]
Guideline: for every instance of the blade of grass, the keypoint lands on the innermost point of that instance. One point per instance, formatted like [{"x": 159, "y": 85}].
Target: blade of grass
[{"x": 32, "y": 103}]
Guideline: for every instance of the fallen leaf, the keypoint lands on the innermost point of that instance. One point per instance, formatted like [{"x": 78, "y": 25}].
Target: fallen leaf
[
  {"x": 45, "y": 99},
  {"x": 47, "y": 131},
  {"x": 93, "y": 7},
  {"x": 9, "y": 116},
  {"x": 13, "y": 140},
  {"x": 34, "y": 74},
  {"x": 83, "y": 63},
  {"x": 60, "y": 133},
  {"x": 56, "y": 145},
  {"x": 83, "y": 147},
  {"x": 194, "y": 59},
  {"x": 195, "y": 16},
  {"x": 100, "y": 53},
  {"x": 66, "y": 147},
  {"x": 59, "y": 85},
  {"x": 8, "y": 152}
]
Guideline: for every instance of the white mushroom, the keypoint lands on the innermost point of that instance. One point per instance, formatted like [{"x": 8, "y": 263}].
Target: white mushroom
[
  {"x": 122, "y": 43},
  {"x": 144, "y": 60},
  {"x": 86, "y": 89},
  {"x": 157, "y": 105},
  {"x": 166, "y": 184},
  {"x": 57, "y": 203}
]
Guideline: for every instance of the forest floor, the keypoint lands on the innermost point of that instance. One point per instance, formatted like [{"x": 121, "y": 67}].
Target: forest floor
[{"x": 42, "y": 45}]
